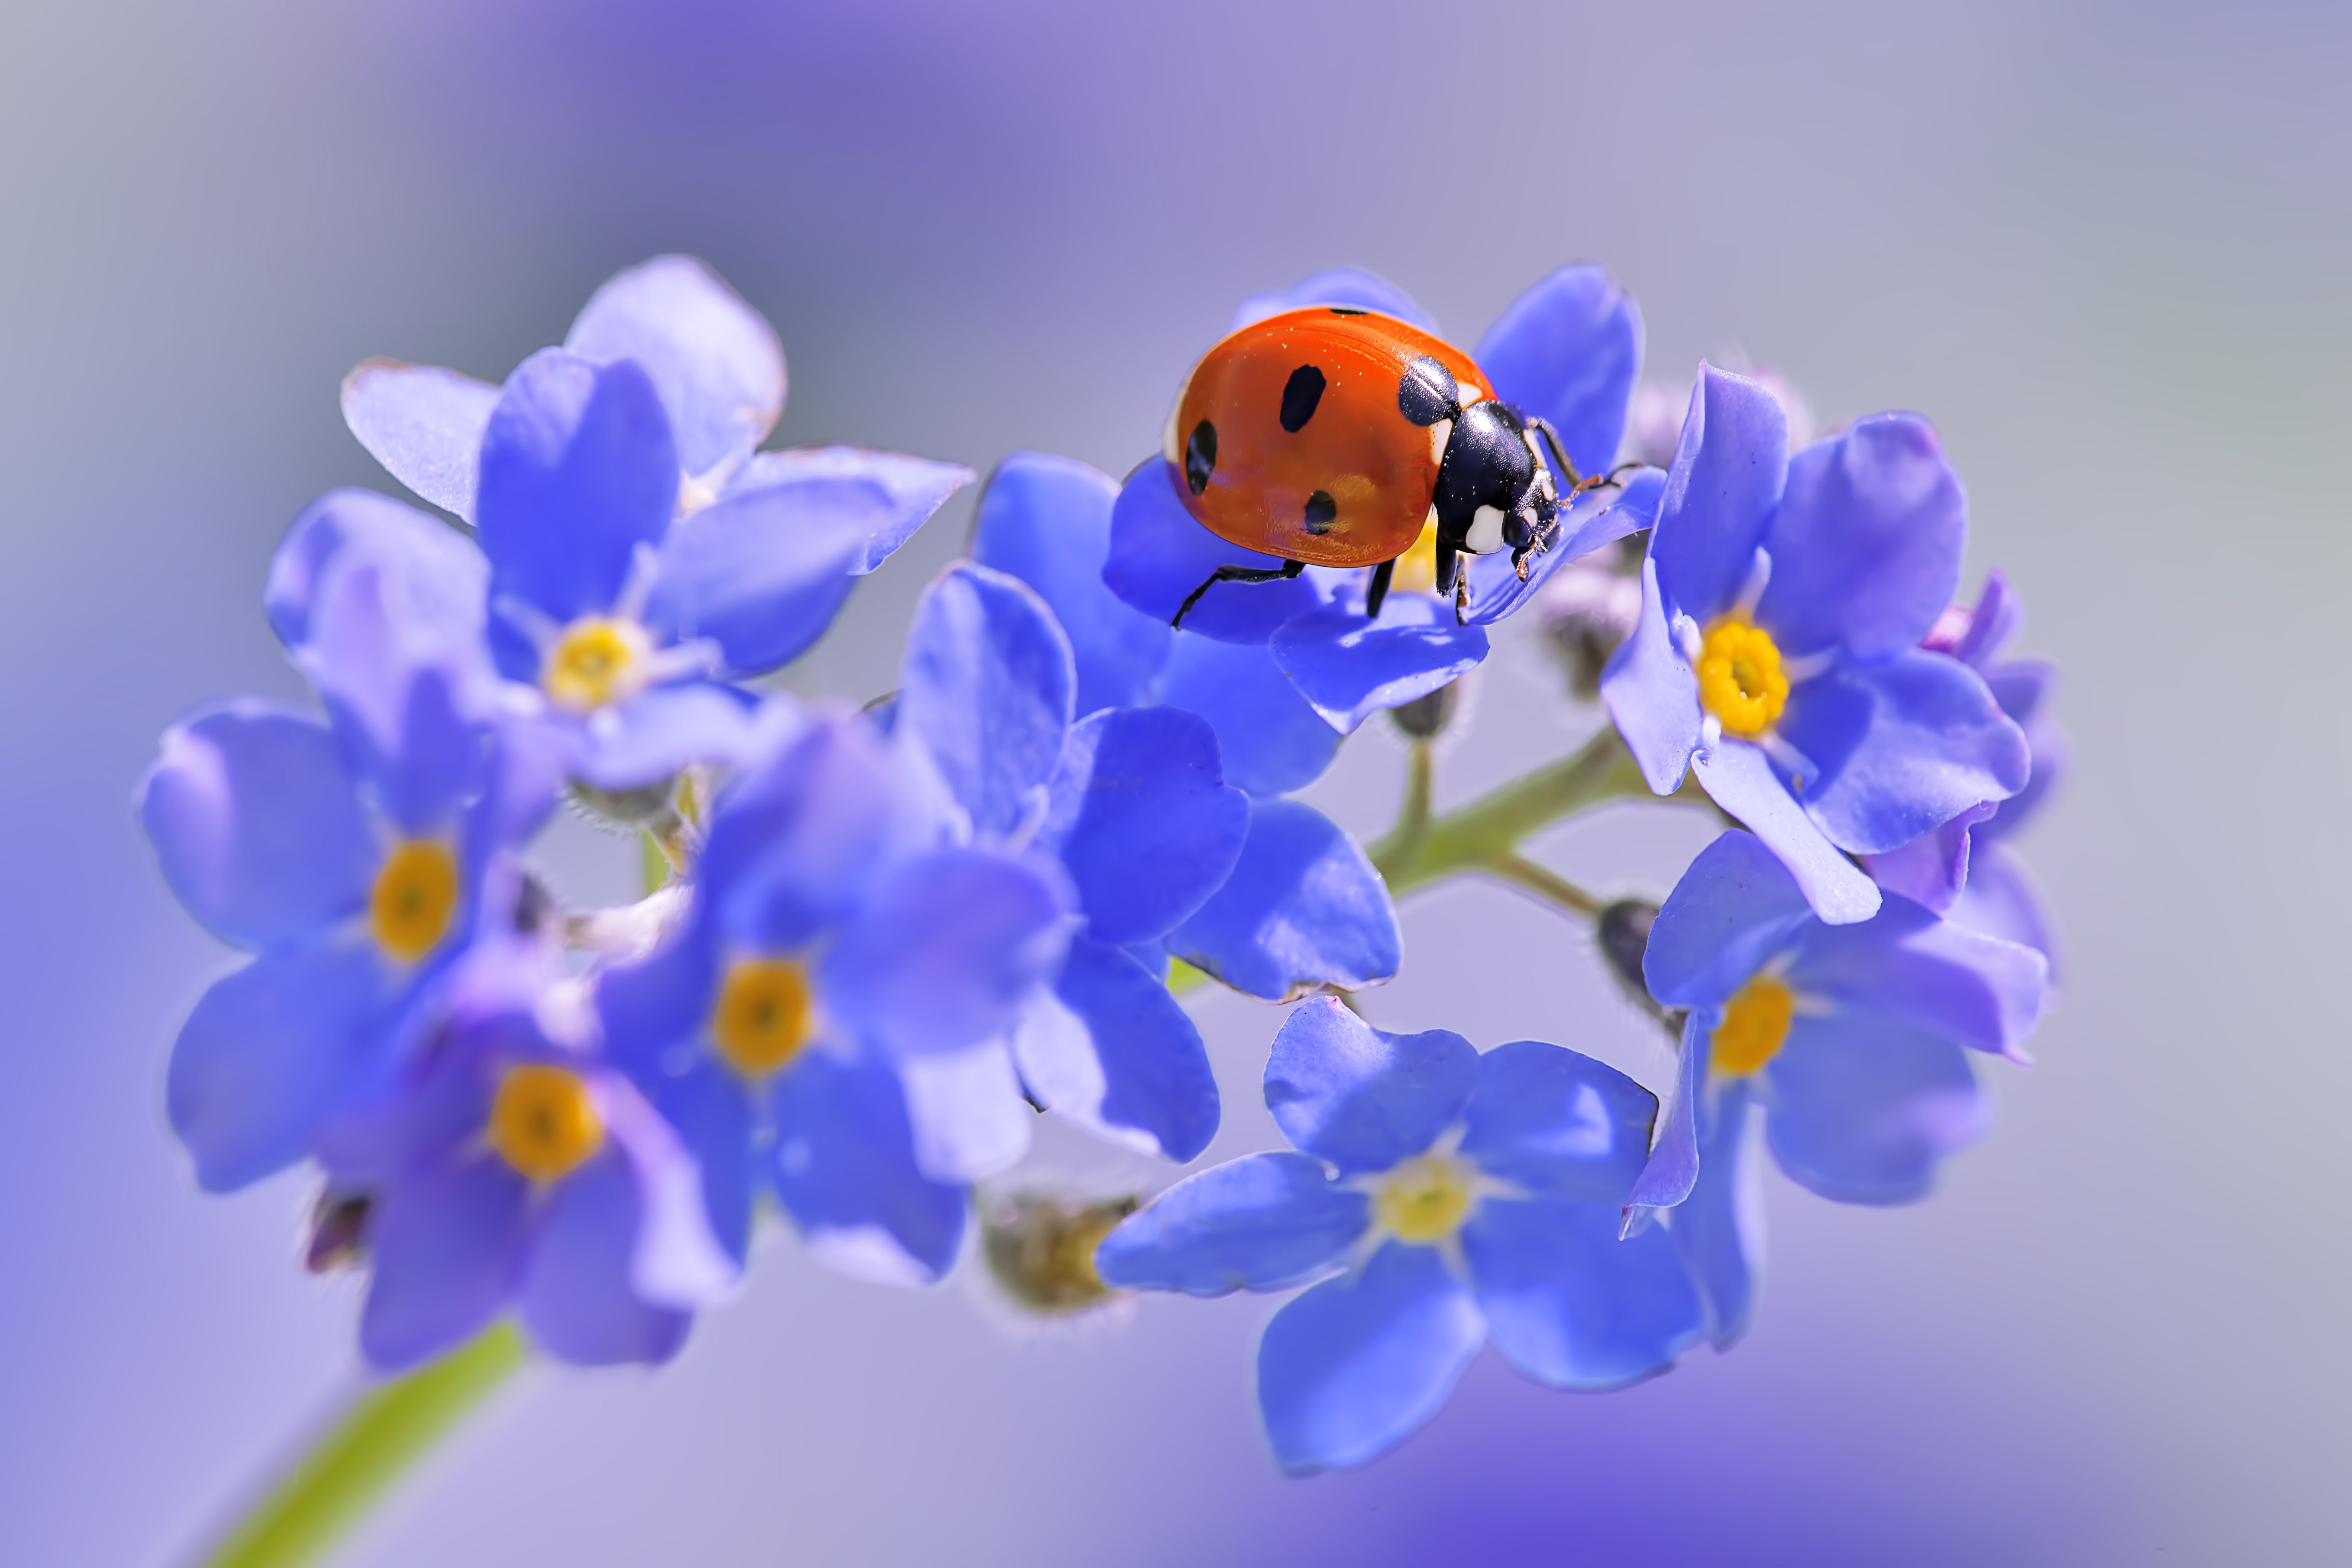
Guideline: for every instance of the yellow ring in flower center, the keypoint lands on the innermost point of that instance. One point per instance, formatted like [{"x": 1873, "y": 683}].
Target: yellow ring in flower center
[
  {"x": 1425, "y": 1199},
  {"x": 544, "y": 1122},
  {"x": 763, "y": 1015},
  {"x": 597, "y": 660},
  {"x": 413, "y": 898},
  {"x": 1755, "y": 1027},
  {"x": 1740, "y": 680}
]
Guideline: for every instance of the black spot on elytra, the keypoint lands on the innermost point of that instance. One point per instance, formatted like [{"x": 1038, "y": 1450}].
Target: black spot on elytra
[
  {"x": 1427, "y": 393},
  {"x": 1344, "y": 311},
  {"x": 1201, "y": 456},
  {"x": 1320, "y": 509},
  {"x": 1300, "y": 395}
]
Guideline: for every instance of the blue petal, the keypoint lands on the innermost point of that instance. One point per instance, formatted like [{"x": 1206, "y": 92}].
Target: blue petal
[
  {"x": 1903, "y": 747},
  {"x": 1671, "y": 1171},
  {"x": 1554, "y": 1121},
  {"x": 1160, "y": 552},
  {"x": 1046, "y": 521},
  {"x": 2002, "y": 900},
  {"x": 257, "y": 824},
  {"x": 965, "y": 1111},
  {"x": 576, "y": 1297},
  {"x": 795, "y": 842},
  {"x": 270, "y": 1053},
  {"x": 657, "y": 733},
  {"x": 1866, "y": 547},
  {"x": 1303, "y": 909},
  {"x": 1142, "y": 820},
  {"x": 424, "y": 424},
  {"x": 446, "y": 1245},
  {"x": 712, "y": 1111},
  {"x": 844, "y": 1169},
  {"x": 1350, "y": 667},
  {"x": 918, "y": 486},
  {"x": 577, "y": 472},
  {"x": 1933, "y": 867},
  {"x": 1862, "y": 1109},
  {"x": 1355, "y": 1365},
  {"x": 714, "y": 359},
  {"x": 1270, "y": 738},
  {"x": 442, "y": 578},
  {"x": 1728, "y": 477},
  {"x": 1569, "y": 350},
  {"x": 1262, "y": 1223},
  {"x": 1359, "y": 1099},
  {"x": 1111, "y": 1051},
  {"x": 1930, "y": 974},
  {"x": 1652, "y": 693},
  {"x": 762, "y": 573},
  {"x": 1599, "y": 517},
  {"x": 943, "y": 953},
  {"x": 1735, "y": 908},
  {"x": 1336, "y": 286},
  {"x": 1570, "y": 1305},
  {"x": 1738, "y": 778},
  {"x": 1719, "y": 1228},
  {"x": 987, "y": 684}
]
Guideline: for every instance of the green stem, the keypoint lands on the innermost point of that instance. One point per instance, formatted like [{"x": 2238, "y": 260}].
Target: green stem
[
  {"x": 1546, "y": 884},
  {"x": 385, "y": 1431},
  {"x": 1488, "y": 829}
]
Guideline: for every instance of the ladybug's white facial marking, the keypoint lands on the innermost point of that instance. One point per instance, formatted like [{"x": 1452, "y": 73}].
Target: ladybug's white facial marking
[{"x": 1486, "y": 535}]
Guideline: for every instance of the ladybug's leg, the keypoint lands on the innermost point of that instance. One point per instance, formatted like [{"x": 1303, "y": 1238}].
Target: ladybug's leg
[
  {"x": 1377, "y": 594},
  {"x": 1233, "y": 574}
]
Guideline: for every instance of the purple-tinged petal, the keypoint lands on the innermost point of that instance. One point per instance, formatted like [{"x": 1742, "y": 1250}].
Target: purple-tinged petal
[
  {"x": 270, "y": 1053},
  {"x": 987, "y": 684},
  {"x": 1160, "y": 552},
  {"x": 1929, "y": 974},
  {"x": 1144, "y": 825},
  {"x": 1933, "y": 867},
  {"x": 1726, "y": 479},
  {"x": 1736, "y": 908},
  {"x": 710, "y": 1107},
  {"x": 1982, "y": 631},
  {"x": 257, "y": 824},
  {"x": 2023, "y": 688},
  {"x": 1672, "y": 1170},
  {"x": 424, "y": 424},
  {"x": 1270, "y": 739},
  {"x": 440, "y": 580},
  {"x": 917, "y": 487},
  {"x": 1864, "y": 1109},
  {"x": 715, "y": 361},
  {"x": 762, "y": 573},
  {"x": 1554, "y": 1121},
  {"x": 846, "y": 1170},
  {"x": 1359, "y": 1099},
  {"x": 578, "y": 471},
  {"x": 1719, "y": 1228},
  {"x": 965, "y": 1114},
  {"x": 1569, "y": 350},
  {"x": 576, "y": 1297},
  {"x": 676, "y": 1259},
  {"x": 657, "y": 733},
  {"x": 1738, "y": 778},
  {"x": 1262, "y": 1223},
  {"x": 1651, "y": 694},
  {"x": 1355, "y": 1365},
  {"x": 1569, "y": 1304},
  {"x": 1303, "y": 910},
  {"x": 797, "y": 839},
  {"x": 1350, "y": 286},
  {"x": 1350, "y": 667},
  {"x": 1599, "y": 517},
  {"x": 1867, "y": 546},
  {"x": 1903, "y": 747},
  {"x": 1046, "y": 521},
  {"x": 2002, "y": 901},
  {"x": 447, "y": 1244},
  {"x": 1109, "y": 1050}
]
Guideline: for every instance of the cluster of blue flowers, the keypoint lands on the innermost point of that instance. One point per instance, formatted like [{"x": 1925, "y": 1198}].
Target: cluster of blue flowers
[{"x": 893, "y": 935}]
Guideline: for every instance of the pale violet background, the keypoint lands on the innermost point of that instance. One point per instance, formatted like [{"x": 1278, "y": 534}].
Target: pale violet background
[{"x": 2104, "y": 245}]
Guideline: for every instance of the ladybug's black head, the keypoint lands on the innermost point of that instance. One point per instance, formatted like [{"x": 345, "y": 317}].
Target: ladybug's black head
[{"x": 1493, "y": 491}]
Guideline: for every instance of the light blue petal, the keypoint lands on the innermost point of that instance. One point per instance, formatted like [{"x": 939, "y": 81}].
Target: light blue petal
[
  {"x": 1932, "y": 868},
  {"x": 1600, "y": 517},
  {"x": 1738, "y": 778},
  {"x": 1554, "y": 1121},
  {"x": 257, "y": 824},
  {"x": 1270, "y": 738},
  {"x": 1303, "y": 909},
  {"x": 657, "y": 733},
  {"x": 443, "y": 579},
  {"x": 1361, "y": 1099},
  {"x": 1160, "y": 552},
  {"x": 710, "y": 1107},
  {"x": 1671, "y": 1171},
  {"x": 1111, "y": 1051},
  {"x": 1726, "y": 479},
  {"x": 2002, "y": 901},
  {"x": 1350, "y": 667},
  {"x": 797, "y": 839},
  {"x": 1735, "y": 908},
  {"x": 1719, "y": 1228},
  {"x": 576, "y": 1297},
  {"x": 715, "y": 361},
  {"x": 1569, "y": 350},
  {"x": 965, "y": 1111},
  {"x": 1262, "y": 1223},
  {"x": 1652, "y": 693},
  {"x": 424, "y": 424},
  {"x": 677, "y": 1258},
  {"x": 446, "y": 1251},
  {"x": 917, "y": 486},
  {"x": 1975, "y": 990},
  {"x": 1143, "y": 821},
  {"x": 1569, "y": 1304},
  {"x": 844, "y": 1169},
  {"x": 762, "y": 573},
  {"x": 1355, "y": 1365},
  {"x": 987, "y": 684},
  {"x": 1351, "y": 286},
  {"x": 270, "y": 1053},
  {"x": 578, "y": 471},
  {"x": 1864, "y": 1109},
  {"x": 1046, "y": 521}
]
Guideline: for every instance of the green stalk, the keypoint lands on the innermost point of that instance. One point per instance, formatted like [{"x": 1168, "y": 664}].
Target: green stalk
[
  {"x": 349, "y": 1469},
  {"x": 1484, "y": 835}
]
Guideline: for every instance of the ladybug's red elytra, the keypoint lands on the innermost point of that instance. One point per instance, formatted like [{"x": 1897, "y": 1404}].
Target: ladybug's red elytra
[{"x": 1334, "y": 436}]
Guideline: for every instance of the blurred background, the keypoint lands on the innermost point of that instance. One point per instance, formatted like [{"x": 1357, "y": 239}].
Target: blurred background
[{"x": 2103, "y": 246}]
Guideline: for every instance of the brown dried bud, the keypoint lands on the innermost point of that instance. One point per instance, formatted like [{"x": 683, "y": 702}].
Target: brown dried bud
[
  {"x": 1041, "y": 1248},
  {"x": 338, "y": 1235}
]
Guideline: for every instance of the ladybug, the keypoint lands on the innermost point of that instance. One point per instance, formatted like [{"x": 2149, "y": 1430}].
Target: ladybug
[{"x": 1334, "y": 436}]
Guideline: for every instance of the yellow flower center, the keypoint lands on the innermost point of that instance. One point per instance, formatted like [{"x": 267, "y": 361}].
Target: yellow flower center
[
  {"x": 1739, "y": 677},
  {"x": 1755, "y": 1027},
  {"x": 1425, "y": 1199},
  {"x": 763, "y": 1015},
  {"x": 544, "y": 1122},
  {"x": 597, "y": 660},
  {"x": 415, "y": 895},
  {"x": 1416, "y": 569}
]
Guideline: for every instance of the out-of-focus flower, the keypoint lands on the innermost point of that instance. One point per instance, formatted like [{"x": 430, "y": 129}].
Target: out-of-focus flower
[
  {"x": 1456, "y": 1198},
  {"x": 1653, "y": 420},
  {"x": 1777, "y": 655},
  {"x": 1587, "y": 611}
]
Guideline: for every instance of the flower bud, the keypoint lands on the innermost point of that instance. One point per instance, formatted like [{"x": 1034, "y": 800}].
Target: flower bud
[
  {"x": 1622, "y": 933},
  {"x": 1426, "y": 717},
  {"x": 624, "y": 809},
  {"x": 1041, "y": 1248},
  {"x": 338, "y": 1235}
]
